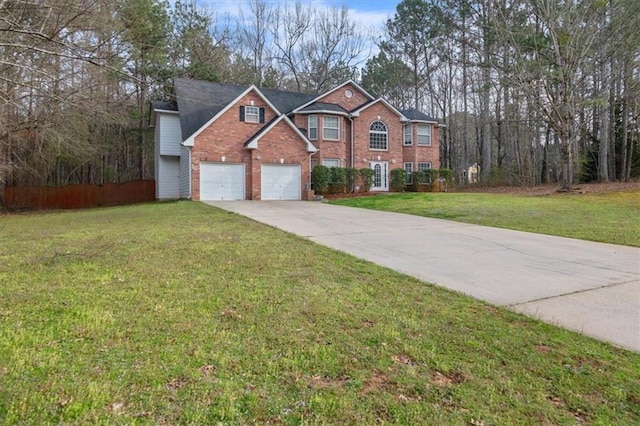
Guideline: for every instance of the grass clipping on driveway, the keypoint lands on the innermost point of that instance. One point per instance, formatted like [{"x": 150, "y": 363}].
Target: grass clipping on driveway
[{"x": 181, "y": 313}]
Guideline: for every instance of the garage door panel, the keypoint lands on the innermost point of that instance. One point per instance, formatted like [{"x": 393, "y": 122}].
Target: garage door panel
[
  {"x": 222, "y": 181},
  {"x": 280, "y": 182}
]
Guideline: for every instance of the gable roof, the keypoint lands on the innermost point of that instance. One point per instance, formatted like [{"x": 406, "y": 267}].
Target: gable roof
[
  {"x": 328, "y": 92},
  {"x": 190, "y": 139},
  {"x": 252, "y": 142},
  {"x": 385, "y": 103},
  {"x": 286, "y": 101},
  {"x": 318, "y": 107},
  {"x": 414, "y": 115},
  {"x": 199, "y": 101}
]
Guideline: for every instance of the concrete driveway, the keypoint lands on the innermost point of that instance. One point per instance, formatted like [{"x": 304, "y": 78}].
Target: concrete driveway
[{"x": 589, "y": 287}]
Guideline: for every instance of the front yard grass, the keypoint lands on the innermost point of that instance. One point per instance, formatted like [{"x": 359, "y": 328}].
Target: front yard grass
[
  {"x": 175, "y": 313},
  {"x": 606, "y": 217}
]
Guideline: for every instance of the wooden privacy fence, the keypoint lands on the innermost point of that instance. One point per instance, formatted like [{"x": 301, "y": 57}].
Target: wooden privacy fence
[{"x": 78, "y": 196}]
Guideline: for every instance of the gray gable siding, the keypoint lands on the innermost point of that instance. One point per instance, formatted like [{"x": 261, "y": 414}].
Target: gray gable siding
[
  {"x": 170, "y": 134},
  {"x": 185, "y": 172}
]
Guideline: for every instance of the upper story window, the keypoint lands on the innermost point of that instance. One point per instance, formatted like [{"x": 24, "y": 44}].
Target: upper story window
[
  {"x": 408, "y": 134},
  {"x": 378, "y": 136},
  {"x": 312, "y": 128},
  {"x": 252, "y": 114},
  {"x": 424, "y": 134},
  {"x": 330, "y": 128}
]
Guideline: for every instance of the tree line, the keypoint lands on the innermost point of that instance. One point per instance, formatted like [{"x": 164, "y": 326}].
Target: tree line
[
  {"x": 533, "y": 90},
  {"x": 76, "y": 76}
]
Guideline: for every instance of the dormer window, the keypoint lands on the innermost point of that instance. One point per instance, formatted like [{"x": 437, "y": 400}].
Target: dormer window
[{"x": 252, "y": 114}]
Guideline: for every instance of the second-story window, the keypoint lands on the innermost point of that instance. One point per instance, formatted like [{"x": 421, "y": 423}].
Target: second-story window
[
  {"x": 408, "y": 134},
  {"x": 424, "y": 135},
  {"x": 378, "y": 136},
  {"x": 252, "y": 114},
  {"x": 330, "y": 128},
  {"x": 313, "y": 127}
]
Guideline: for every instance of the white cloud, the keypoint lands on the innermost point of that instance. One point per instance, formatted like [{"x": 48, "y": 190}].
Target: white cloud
[
  {"x": 370, "y": 19},
  {"x": 374, "y": 19}
]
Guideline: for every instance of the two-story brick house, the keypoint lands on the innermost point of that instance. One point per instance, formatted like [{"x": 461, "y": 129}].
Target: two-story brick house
[{"x": 224, "y": 142}]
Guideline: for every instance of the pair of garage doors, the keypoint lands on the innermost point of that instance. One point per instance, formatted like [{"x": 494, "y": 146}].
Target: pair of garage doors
[{"x": 226, "y": 181}]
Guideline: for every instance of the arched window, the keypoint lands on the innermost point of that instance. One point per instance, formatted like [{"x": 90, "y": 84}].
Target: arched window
[{"x": 378, "y": 135}]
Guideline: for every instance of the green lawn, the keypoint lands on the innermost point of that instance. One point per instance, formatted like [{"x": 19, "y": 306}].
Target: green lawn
[
  {"x": 611, "y": 218},
  {"x": 176, "y": 313}
]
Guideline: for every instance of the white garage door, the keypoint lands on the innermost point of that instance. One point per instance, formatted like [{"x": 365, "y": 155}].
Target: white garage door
[
  {"x": 221, "y": 181},
  {"x": 280, "y": 182}
]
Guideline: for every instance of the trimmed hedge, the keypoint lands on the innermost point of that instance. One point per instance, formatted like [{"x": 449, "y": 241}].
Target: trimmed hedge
[
  {"x": 367, "y": 178},
  {"x": 320, "y": 179},
  {"x": 431, "y": 180},
  {"x": 398, "y": 179},
  {"x": 337, "y": 180},
  {"x": 352, "y": 178},
  {"x": 341, "y": 180}
]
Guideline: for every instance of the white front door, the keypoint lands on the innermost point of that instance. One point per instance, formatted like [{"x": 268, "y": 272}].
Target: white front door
[{"x": 380, "y": 175}]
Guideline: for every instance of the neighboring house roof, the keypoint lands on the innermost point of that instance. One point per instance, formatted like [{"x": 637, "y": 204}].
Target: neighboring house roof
[
  {"x": 323, "y": 107},
  {"x": 414, "y": 115}
]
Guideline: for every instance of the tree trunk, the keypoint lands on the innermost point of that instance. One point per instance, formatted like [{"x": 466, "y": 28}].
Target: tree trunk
[{"x": 625, "y": 173}]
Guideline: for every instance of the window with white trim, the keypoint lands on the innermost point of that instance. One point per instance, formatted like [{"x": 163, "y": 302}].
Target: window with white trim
[
  {"x": 314, "y": 162},
  {"x": 331, "y": 162},
  {"x": 252, "y": 114},
  {"x": 408, "y": 167},
  {"x": 424, "y": 166},
  {"x": 424, "y": 134},
  {"x": 378, "y": 136},
  {"x": 408, "y": 134},
  {"x": 421, "y": 168},
  {"x": 313, "y": 127},
  {"x": 330, "y": 128}
]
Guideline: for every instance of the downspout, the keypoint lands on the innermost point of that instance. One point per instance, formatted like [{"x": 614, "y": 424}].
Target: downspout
[
  {"x": 353, "y": 155},
  {"x": 311, "y": 169}
]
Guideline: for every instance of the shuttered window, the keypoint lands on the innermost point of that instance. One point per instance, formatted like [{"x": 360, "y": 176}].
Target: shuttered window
[{"x": 252, "y": 114}]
